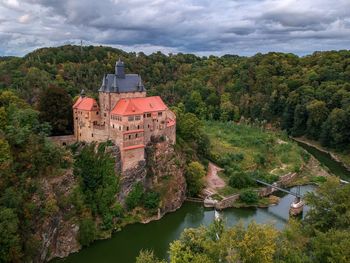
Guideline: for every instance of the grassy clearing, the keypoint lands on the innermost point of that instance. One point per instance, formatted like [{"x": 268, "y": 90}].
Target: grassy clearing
[{"x": 253, "y": 151}]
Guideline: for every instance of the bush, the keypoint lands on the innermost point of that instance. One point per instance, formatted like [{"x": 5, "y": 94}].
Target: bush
[
  {"x": 151, "y": 200},
  {"x": 240, "y": 179},
  {"x": 249, "y": 197},
  {"x": 194, "y": 178},
  {"x": 87, "y": 231},
  {"x": 134, "y": 198}
]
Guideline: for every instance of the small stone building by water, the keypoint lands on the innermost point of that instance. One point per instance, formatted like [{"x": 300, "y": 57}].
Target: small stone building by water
[{"x": 124, "y": 115}]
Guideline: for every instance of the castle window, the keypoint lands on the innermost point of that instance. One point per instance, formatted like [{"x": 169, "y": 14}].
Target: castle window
[
  {"x": 138, "y": 127},
  {"x": 137, "y": 118},
  {"x": 144, "y": 115},
  {"x": 113, "y": 126},
  {"x": 129, "y": 137},
  {"x": 148, "y": 115},
  {"x": 127, "y": 128},
  {"x": 105, "y": 114},
  {"x": 96, "y": 112},
  {"x": 120, "y": 128},
  {"x": 92, "y": 135},
  {"x": 160, "y": 114},
  {"x": 136, "y": 135},
  {"x": 130, "y": 118}
]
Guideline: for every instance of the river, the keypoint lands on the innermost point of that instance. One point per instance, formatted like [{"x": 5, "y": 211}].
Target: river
[
  {"x": 324, "y": 158},
  {"x": 125, "y": 245}
]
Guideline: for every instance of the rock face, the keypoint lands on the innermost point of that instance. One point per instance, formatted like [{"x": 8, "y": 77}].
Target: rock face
[
  {"x": 130, "y": 177},
  {"x": 57, "y": 233},
  {"x": 163, "y": 171},
  {"x": 165, "y": 174}
]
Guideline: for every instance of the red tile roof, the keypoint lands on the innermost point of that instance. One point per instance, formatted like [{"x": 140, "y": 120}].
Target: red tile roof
[
  {"x": 170, "y": 122},
  {"x": 85, "y": 104},
  {"x": 134, "y": 106}
]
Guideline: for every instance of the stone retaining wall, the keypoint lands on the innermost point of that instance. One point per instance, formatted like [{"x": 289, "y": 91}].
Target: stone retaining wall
[
  {"x": 63, "y": 140},
  {"x": 226, "y": 202}
]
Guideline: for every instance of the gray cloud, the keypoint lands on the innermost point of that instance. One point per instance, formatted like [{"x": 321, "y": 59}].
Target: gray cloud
[{"x": 197, "y": 26}]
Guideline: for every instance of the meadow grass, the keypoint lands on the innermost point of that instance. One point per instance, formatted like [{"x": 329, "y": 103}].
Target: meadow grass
[{"x": 266, "y": 151}]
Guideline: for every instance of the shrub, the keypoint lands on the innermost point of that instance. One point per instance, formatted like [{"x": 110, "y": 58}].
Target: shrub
[
  {"x": 260, "y": 160},
  {"x": 134, "y": 198},
  {"x": 249, "y": 196},
  {"x": 240, "y": 179},
  {"x": 194, "y": 178},
  {"x": 87, "y": 231},
  {"x": 151, "y": 200}
]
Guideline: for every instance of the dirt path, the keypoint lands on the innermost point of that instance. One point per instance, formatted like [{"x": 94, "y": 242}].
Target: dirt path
[{"x": 213, "y": 181}]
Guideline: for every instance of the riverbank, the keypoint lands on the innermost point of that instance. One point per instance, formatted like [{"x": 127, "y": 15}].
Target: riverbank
[
  {"x": 125, "y": 245},
  {"x": 342, "y": 159}
]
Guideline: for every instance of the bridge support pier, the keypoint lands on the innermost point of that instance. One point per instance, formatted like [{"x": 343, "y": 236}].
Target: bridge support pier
[{"x": 296, "y": 208}]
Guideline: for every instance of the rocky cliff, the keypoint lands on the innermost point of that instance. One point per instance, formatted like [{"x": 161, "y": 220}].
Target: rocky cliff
[
  {"x": 58, "y": 233},
  {"x": 165, "y": 174}
]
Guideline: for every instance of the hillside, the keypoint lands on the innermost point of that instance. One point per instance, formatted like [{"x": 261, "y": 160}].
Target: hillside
[{"x": 306, "y": 96}]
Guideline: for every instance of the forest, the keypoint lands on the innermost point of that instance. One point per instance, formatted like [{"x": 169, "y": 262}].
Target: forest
[
  {"x": 306, "y": 96},
  {"x": 302, "y": 96}
]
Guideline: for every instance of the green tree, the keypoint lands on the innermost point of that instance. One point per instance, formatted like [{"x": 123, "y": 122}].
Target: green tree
[
  {"x": 317, "y": 114},
  {"x": 55, "y": 106},
  {"x": 10, "y": 248},
  {"x": 330, "y": 206},
  {"x": 87, "y": 231},
  {"x": 151, "y": 200},
  {"x": 249, "y": 196},
  {"x": 147, "y": 256},
  {"x": 195, "y": 173},
  {"x": 332, "y": 246},
  {"x": 228, "y": 111},
  {"x": 336, "y": 129},
  {"x": 135, "y": 196}
]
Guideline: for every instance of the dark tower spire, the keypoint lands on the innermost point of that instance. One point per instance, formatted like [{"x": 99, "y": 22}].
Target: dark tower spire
[
  {"x": 82, "y": 93},
  {"x": 119, "y": 69}
]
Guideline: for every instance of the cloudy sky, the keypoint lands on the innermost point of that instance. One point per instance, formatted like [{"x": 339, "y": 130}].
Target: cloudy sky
[{"x": 203, "y": 27}]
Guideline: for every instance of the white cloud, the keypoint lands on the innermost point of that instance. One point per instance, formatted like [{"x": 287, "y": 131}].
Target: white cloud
[{"x": 24, "y": 18}]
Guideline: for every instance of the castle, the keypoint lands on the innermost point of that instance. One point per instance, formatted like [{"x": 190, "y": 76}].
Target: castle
[{"x": 123, "y": 115}]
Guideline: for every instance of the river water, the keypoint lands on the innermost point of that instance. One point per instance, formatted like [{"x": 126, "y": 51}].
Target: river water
[
  {"x": 324, "y": 158},
  {"x": 125, "y": 245}
]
